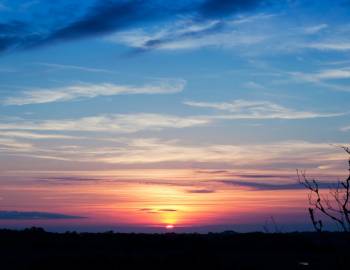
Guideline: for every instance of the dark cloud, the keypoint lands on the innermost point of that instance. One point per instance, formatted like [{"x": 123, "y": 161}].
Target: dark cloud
[
  {"x": 201, "y": 191},
  {"x": 213, "y": 172},
  {"x": 10, "y": 34},
  {"x": 148, "y": 210},
  {"x": 173, "y": 183},
  {"x": 108, "y": 16},
  {"x": 104, "y": 17},
  {"x": 271, "y": 186},
  {"x": 145, "y": 209},
  {"x": 7, "y": 42},
  {"x": 18, "y": 215},
  {"x": 62, "y": 180},
  {"x": 252, "y": 176},
  {"x": 152, "y": 211},
  {"x": 255, "y": 175},
  {"x": 70, "y": 180},
  {"x": 227, "y": 173},
  {"x": 167, "y": 210}
]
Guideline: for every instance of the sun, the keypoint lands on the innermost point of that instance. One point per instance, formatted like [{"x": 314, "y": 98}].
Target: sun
[{"x": 169, "y": 227}]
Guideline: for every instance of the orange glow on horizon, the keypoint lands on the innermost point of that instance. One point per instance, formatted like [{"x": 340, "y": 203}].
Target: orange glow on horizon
[{"x": 185, "y": 200}]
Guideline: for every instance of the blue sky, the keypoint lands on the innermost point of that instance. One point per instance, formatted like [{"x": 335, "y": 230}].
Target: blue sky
[{"x": 229, "y": 84}]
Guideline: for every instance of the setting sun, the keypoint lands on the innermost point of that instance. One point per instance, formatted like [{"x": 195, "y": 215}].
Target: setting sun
[{"x": 169, "y": 227}]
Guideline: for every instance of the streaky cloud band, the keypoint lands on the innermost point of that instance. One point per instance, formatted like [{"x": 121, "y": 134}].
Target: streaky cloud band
[
  {"x": 19, "y": 215},
  {"x": 73, "y": 92}
]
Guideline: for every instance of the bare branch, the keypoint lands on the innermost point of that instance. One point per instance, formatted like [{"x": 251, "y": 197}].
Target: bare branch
[{"x": 337, "y": 208}]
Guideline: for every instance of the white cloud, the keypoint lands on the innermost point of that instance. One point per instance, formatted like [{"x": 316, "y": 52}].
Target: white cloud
[
  {"x": 141, "y": 40},
  {"x": 129, "y": 123},
  {"x": 346, "y": 128},
  {"x": 73, "y": 67},
  {"x": 188, "y": 34},
  {"x": 34, "y": 136},
  {"x": 252, "y": 35},
  {"x": 154, "y": 150},
  {"x": 324, "y": 78},
  {"x": 330, "y": 46},
  {"x": 12, "y": 145},
  {"x": 120, "y": 123},
  {"x": 254, "y": 85},
  {"x": 331, "y": 74},
  {"x": 147, "y": 151},
  {"x": 93, "y": 90},
  {"x": 253, "y": 18},
  {"x": 229, "y": 39},
  {"x": 243, "y": 109},
  {"x": 309, "y": 30}
]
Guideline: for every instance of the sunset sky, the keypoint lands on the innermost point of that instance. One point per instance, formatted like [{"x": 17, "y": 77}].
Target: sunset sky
[{"x": 137, "y": 115}]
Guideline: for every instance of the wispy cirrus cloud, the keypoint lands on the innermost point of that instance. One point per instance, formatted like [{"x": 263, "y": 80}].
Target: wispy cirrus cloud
[
  {"x": 12, "y": 145},
  {"x": 10, "y": 135},
  {"x": 75, "y": 67},
  {"x": 148, "y": 152},
  {"x": 255, "y": 31},
  {"x": 155, "y": 150},
  {"x": 129, "y": 123},
  {"x": 243, "y": 109},
  {"x": 324, "y": 75},
  {"x": 327, "y": 78},
  {"x": 346, "y": 128},
  {"x": 333, "y": 74},
  {"x": 193, "y": 34},
  {"x": 120, "y": 123},
  {"x": 34, "y": 136},
  {"x": 73, "y": 92},
  {"x": 330, "y": 46},
  {"x": 314, "y": 29}
]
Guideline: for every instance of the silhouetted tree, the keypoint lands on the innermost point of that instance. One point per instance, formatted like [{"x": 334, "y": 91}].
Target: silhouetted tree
[{"x": 335, "y": 205}]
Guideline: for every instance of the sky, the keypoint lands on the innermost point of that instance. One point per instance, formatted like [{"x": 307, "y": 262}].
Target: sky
[{"x": 193, "y": 115}]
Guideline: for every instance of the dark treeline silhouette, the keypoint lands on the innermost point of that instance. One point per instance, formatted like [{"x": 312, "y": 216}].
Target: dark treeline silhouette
[{"x": 36, "y": 249}]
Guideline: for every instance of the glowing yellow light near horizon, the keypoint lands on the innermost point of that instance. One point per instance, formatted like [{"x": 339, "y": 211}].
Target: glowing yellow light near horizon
[{"x": 169, "y": 227}]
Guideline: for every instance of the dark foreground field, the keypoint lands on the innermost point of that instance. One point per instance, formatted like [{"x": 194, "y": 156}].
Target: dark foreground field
[{"x": 36, "y": 249}]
